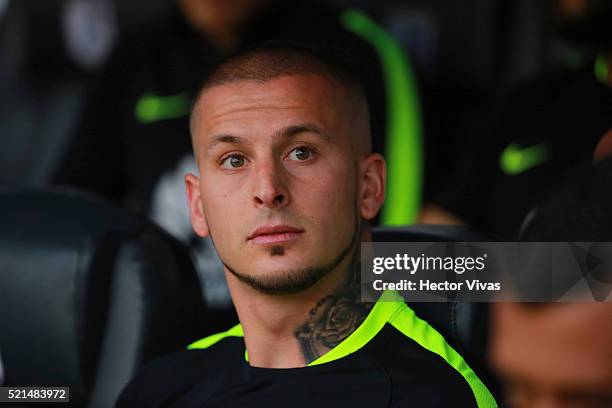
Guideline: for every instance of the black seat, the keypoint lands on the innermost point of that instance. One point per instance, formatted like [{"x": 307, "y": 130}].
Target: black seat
[{"x": 88, "y": 293}]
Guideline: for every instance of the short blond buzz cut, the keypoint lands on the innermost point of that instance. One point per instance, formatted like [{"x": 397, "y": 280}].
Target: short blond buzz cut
[{"x": 267, "y": 61}]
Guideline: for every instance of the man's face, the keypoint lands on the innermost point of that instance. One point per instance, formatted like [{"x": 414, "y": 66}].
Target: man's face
[
  {"x": 279, "y": 185},
  {"x": 555, "y": 355}
]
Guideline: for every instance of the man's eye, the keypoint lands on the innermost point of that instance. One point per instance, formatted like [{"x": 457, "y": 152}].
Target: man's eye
[
  {"x": 300, "y": 153},
  {"x": 233, "y": 161}
]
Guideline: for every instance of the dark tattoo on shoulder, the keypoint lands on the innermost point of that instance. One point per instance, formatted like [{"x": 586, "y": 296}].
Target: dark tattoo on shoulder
[{"x": 332, "y": 320}]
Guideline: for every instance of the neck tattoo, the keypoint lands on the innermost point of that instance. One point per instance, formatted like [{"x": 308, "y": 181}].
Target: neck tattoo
[{"x": 333, "y": 318}]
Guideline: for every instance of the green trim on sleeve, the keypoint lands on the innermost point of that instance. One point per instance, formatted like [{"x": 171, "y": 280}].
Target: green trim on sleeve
[
  {"x": 429, "y": 338},
  {"x": 403, "y": 150}
]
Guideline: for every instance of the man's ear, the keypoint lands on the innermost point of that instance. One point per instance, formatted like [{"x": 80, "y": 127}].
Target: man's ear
[
  {"x": 373, "y": 178},
  {"x": 194, "y": 198}
]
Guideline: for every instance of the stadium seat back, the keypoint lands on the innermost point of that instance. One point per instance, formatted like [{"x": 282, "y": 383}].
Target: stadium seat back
[{"x": 88, "y": 293}]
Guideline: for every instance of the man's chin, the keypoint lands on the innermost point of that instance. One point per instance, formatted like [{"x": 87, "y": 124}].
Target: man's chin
[
  {"x": 278, "y": 279},
  {"x": 280, "y": 269}
]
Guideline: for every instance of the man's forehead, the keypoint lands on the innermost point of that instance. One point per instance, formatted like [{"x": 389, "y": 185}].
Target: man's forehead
[
  {"x": 559, "y": 315},
  {"x": 560, "y": 323},
  {"x": 263, "y": 107},
  {"x": 283, "y": 101},
  {"x": 555, "y": 335},
  {"x": 284, "y": 91}
]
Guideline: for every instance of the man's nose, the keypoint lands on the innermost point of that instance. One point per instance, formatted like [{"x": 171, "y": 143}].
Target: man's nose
[{"x": 270, "y": 187}]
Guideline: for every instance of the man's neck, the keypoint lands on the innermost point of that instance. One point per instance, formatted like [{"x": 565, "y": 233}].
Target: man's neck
[
  {"x": 332, "y": 319},
  {"x": 294, "y": 330}
]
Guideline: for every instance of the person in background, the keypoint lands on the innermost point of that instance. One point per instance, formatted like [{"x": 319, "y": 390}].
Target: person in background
[
  {"x": 555, "y": 355},
  {"x": 559, "y": 355},
  {"x": 133, "y": 145},
  {"x": 544, "y": 132}
]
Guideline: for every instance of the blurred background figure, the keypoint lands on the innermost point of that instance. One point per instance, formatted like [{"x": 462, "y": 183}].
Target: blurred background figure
[
  {"x": 47, "y": 55},
  {"x": 539, "y": 134},
  {"x": 554, "y": 355},
  {"x": 560, "y": 354},
  {"x": 580, "y": 210}
]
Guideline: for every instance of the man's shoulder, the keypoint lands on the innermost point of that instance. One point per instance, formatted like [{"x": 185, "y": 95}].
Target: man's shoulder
[
  {"x": 420, "y": 360},
  {"x": 417, "y": 373},
  {"x": 164, "y": 378}
]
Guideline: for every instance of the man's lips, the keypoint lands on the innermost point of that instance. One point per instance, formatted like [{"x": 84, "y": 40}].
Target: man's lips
[{"x": 274, "y": 234}]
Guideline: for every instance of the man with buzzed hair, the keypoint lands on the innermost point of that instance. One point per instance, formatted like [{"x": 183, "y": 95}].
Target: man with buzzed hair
[{"x": 287, "y": 184}]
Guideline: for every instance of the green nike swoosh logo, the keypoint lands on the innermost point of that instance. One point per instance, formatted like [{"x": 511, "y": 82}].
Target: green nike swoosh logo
[
  {"x": 153, "y": 108},
  {"x": 516, "y": 160}
]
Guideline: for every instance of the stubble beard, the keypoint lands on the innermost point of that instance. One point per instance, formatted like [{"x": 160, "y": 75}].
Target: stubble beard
[{"x": 294, "y": 281}]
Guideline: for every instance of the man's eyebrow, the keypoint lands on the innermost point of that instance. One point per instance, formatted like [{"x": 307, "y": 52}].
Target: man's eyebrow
[
  {"x": 294, "y": 130},
  {"x": 285, "y": 133},
  {"x": 215, "y": 140}
]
